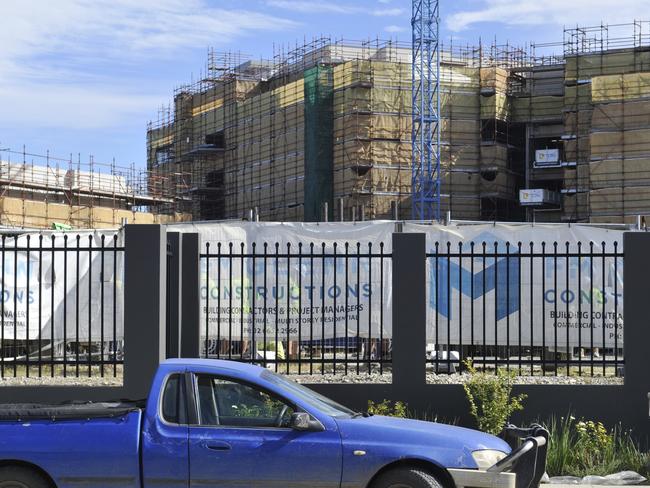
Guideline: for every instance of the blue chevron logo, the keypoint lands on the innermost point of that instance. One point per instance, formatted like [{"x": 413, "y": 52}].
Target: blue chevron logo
[{"x": 501, "y": 276}]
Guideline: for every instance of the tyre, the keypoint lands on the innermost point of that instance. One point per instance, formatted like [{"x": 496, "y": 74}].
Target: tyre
[
  {"x": 405, "y": 478},
  {"x": 21, "y": 477}
]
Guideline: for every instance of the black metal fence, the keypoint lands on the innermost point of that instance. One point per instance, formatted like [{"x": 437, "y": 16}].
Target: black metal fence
[
  {"x": 305, "y": 308},
  {"x": 315, "y": 308},
  {"x": 323, "y": 308},
  {"x": 61, "y": 312},
  {"x": 537, "y": 308}
]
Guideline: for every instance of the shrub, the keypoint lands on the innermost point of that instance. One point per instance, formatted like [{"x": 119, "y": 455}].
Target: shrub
[
  {"x": 490, "y": 398},
  {"x": 388, "y": 408},
  {"x": 581, "y": 448}
]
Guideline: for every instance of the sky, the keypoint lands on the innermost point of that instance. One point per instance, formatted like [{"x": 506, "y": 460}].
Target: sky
[{"x": 83, "y": 77}]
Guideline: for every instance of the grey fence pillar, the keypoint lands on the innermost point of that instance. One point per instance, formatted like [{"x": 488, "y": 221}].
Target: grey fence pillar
[
  {"x": 190, "y": 296},
  {"x": 636, "y": 333},
  {"x": 145, "y": 283},
  {"x": 174, "y": 273},
  {"x": 409, "y": 314}
]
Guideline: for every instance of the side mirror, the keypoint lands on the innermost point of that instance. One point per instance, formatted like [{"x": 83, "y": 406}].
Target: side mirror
[{"x": 302, "y": 421}]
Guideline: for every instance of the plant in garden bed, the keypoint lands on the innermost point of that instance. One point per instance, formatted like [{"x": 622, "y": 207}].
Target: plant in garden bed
[
  {"x": 401, "y": 410},
  {"x": 581, "y": 448},
  {"x": 490, "y": 398},
  {"x": 388, "y": 408}
]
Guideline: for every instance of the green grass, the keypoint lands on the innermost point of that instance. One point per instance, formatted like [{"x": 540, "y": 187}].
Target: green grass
[{"x": 568, "y": 457}]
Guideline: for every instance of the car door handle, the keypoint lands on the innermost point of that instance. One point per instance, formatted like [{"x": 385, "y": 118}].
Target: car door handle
[{"x": 217, "y": 446}]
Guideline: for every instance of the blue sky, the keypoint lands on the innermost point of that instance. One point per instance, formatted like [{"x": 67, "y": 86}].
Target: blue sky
[{"x": 85, "y": 76}]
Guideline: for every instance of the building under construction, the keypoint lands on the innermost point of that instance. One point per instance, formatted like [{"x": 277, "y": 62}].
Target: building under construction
[
  {"x": 327, "y": 125},
  {"x": 43, "y": 191}
]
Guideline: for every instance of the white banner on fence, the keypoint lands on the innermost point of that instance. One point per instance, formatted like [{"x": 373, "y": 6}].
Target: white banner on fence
[
  {"x": 309, "y": 296},
  {"x": 581, "y": 296},
  {"x": 60, "y": 292}
]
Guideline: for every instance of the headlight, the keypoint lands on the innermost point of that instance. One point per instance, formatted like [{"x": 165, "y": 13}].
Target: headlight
[{"x": 487, "y": 458}]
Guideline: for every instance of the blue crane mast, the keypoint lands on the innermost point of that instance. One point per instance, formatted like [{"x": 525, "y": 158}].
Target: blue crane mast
[{"x": 425, "y": 135}]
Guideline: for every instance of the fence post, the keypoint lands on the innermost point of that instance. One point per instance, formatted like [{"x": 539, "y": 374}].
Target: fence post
[
  {"x": 409, "y": 314},
  {"x": 145, "y": 282},
  {"x": 174, "y": 273},
  {"x": 190, "y": 296},
  {"x": 636, "y": 333}
]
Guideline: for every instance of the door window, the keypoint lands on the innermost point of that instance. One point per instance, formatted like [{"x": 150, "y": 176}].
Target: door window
[
  {"x": 232, "y": 404},
  {"x": 173, "y": 401}
]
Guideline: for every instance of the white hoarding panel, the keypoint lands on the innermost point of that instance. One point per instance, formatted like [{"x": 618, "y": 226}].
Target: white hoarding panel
[
  {"x": 529, "y": 298},
  {"x": 308, "y": 296}
]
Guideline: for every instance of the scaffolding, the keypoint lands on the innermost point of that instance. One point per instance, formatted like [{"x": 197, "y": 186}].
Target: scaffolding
[
  {"x": 38, "y": 191},
  {"x": 323, "y": 130}
]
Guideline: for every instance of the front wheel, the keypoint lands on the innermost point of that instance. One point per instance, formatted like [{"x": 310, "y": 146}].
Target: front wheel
[
  {"x": 406, "y": 478},
  {"x": 21, "y": 477}
]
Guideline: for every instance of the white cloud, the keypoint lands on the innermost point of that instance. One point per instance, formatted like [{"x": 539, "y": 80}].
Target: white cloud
[
  {"x": 389, "y": 12},
  {"x": 394, "y": 28},
  {"x": 77, "y": 64},
  {"x": 321, "y": 6},
  {"x": 74, "y": 107},
  {"x": 307, "y": 7},
  {"x": 384, "y": 1},
  {"x": 549, "y": 12}
]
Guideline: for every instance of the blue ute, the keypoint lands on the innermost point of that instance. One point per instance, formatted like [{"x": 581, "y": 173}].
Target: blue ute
[{"x": 209, "y": 423}]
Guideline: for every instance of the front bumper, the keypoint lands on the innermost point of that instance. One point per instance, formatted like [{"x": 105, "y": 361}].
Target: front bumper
[
  {"x": 482, "y": 479},
  {"x": 522, "y": 468}
]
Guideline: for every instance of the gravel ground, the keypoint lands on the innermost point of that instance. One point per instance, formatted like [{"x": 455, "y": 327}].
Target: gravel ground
[
  {"x": 351, "y": 378},
  {"x": 456, "y": 378},
  {"x": 61, "y": 381}
]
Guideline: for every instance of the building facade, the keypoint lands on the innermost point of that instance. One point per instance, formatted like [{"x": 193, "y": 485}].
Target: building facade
[{"x": 326, "y": 129}]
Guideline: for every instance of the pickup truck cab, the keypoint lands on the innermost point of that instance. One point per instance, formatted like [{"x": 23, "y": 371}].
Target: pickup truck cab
[{"x": 210, "y": 423}]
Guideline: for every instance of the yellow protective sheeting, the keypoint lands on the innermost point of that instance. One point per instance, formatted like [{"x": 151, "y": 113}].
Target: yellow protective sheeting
[
  {"x": 390, "y": 74},
  {"x": 160, "y": 142},
  {"x": 380, "y": 126},
  {"x": 621, "y": 115},
  {"x": 578, "y": 123},
  {"x": 387, "y": 100},
  {"x": 495, "y": 155},
  {"x": 496, "y": 78},
  {"x": 540, "y": 107},
  {"x": 38, "y": 214},
  {"x": 354, "y": 99},
  {"x": 620, "y": 144},
  {"x": 358, "y": 152},
  {"x": 577, "y": 97},
  {"x": 495, "y": 106},
  {"x": 575, "y": 204},
  {"x": 497, "y": 184},
  {"x": 461, "y": 155},
  {"x": 589, "y": 65},
  {"x": 578, "y": 149},
  {"x": 462, "y": 207},
  {"x": 620, "y": 172},
  {"x": 460, "y": 105},
  {"x": 206, "y": 107},
  {"x": 289, "y": 94},
  {"x": 352, "y": 72},
  {"x": 576, "y": 177},
  {"x": 207, "y": 123},
  {"x": 459, "y": 77},
  {"x": 460, "y": 182},
  {"x": 620, "y": 201},
  {"x": 620, "y": 87}
]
